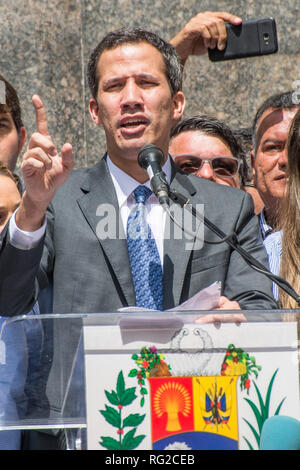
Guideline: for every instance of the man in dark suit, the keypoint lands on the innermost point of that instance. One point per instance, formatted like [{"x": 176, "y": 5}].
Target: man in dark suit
[{"x": 135, "y": 79}]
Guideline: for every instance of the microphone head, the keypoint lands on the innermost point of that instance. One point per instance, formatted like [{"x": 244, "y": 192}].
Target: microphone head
[
  {"x": 280, "y": 433},
  {"x": 150, "y": 153}
]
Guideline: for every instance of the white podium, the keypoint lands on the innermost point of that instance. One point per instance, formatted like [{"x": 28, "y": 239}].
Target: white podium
[{"x": 148, "y": 381}]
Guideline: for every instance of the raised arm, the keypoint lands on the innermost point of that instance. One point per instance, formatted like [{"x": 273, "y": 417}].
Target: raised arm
[
  {"x": 204, "y": 31},
  {"x": 43, "y": 170}
]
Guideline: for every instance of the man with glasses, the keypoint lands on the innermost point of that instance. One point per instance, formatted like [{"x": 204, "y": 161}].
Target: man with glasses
[{"x": 207, "y": 147}]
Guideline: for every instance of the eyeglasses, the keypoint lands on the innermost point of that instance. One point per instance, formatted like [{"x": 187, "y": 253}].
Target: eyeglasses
[{"x": 224, "y": 167}]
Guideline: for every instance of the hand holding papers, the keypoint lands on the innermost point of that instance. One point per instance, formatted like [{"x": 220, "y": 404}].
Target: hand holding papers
[{"x": 207, "y": 299}]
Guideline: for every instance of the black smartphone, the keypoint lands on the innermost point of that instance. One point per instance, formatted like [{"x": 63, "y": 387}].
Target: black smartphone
[{"x": 251, "y": 38}]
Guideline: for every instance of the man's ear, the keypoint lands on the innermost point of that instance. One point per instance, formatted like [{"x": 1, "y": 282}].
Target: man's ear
[
  {"x": 94, "y": 111},
  {"x": 178, "y": 105},
  {"x": 22, "y": 139}
]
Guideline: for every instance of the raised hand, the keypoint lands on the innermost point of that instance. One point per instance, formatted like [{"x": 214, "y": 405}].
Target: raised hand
[
  {"x": 204, "y": 31},
  {"x": 43, "y": 170}
]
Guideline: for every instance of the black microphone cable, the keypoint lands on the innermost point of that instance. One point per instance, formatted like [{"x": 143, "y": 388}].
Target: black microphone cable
[{"x": 233, "y": 242}]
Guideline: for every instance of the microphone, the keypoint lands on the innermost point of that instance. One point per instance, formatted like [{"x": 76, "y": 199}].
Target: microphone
[
  {"x": 280, "y": 433},
  {"x": 151, "y": 158}
]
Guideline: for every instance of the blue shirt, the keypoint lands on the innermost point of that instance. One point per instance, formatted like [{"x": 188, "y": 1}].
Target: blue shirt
[
  {"x": 265, "y": 228},
  {"x": 273, "y": 247}
]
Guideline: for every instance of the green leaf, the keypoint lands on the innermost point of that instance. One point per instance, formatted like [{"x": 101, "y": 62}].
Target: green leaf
[
  {"x": 133, "y": 420},
  {"x": 112, "y": 398},
  {"x": 249, "y": 445},
  {"x": 255, "y": 433},
  {"x": 258, "y": 416},
  {"x": 142, "y": 402},
  {"x": 120, "y": 384},
  {"x": 137, "y": 440},
  {"x": 263, "y": 409},
  {"x": 279, "y": 407},
  {"x": 133, "y": 373},
  {"x": 127, "y": 439},
  {"x": 269, "y": 391},
  {"x": 130, "y": 441},
  {"x": 144, "y": 391},
  {"x": 128, "y": 396},
  {"x": 111, "y": 416},
  {"x": 110, "y": 443}
]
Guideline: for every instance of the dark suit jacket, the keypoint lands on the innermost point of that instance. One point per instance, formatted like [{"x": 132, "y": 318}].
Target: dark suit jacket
[{"x": 93, "y": 275}]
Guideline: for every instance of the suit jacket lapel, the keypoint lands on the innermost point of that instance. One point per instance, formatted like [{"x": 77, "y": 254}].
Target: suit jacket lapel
[
  {"x": 177, "y": 252},
  {"x": 98, "y": 190}
]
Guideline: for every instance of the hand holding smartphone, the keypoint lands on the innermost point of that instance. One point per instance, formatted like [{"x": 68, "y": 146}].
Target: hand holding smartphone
[{"x": 251, "y": 38}]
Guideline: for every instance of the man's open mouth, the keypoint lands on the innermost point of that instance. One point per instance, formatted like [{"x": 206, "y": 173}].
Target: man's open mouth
[{"x": 132, "y": 122}]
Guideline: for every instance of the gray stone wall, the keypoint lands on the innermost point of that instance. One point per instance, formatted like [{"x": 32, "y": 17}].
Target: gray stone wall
[{"x": 45, "y": 48}]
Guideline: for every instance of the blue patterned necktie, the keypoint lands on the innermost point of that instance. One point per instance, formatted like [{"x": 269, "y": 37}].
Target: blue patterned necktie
[{"x": 143, "y": 255}]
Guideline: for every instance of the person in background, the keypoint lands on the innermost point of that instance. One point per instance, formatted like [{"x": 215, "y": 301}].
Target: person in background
[
  {"x": 10, "y": 196},
  {"x": 207, "y": 147},
  {"x": 270, "y": 131},
  {"x": 12, "y": 131},
  {"x": 289, "y": 224},
  {"x": 20, "y": 339},
  {"x": 204, "y": 31},
  {"x": 270, "y": 125},
  {"x": 289, "y": 217},
  {"x": 283, "y": 244},
  {"x": 17, "y": 337}
]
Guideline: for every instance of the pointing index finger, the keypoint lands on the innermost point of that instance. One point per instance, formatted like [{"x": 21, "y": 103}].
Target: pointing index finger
[{"x": 40, "y": 115}]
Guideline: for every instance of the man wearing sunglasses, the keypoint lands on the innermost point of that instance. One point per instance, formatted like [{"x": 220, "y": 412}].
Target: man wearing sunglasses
[{"x": 206, "y": 147}]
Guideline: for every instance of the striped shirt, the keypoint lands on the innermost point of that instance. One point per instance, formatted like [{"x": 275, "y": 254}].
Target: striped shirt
[
  {"x": 272, "y": 243},
  {"x": 265, "y": 228},
  {"x": 273, "y": 247}
]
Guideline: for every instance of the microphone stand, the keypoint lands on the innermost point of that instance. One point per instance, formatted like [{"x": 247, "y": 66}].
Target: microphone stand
[{"x": 232, "y": 241}]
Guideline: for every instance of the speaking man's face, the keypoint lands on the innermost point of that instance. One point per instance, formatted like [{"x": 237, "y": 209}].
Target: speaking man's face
[{"x": 134, "y": 101}]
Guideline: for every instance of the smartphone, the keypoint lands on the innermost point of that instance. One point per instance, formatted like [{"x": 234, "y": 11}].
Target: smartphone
[{"x": 251, "y": 38}]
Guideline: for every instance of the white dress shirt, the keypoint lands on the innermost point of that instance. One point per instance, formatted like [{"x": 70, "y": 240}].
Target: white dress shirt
[{"x": 124, "y": 187}]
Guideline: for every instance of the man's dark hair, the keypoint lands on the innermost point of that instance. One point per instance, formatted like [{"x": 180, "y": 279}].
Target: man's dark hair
[
  {"x": 212, "y": 126},
  {"x": 12, "y": 104},
  {"x": 135, "y": 35},
  {"x": 279, "y": 101},
  {"x": 244, "y": 135}
]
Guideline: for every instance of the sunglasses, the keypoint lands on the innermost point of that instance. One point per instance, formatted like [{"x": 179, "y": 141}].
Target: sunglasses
[{"x": 224, "y": 167}]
